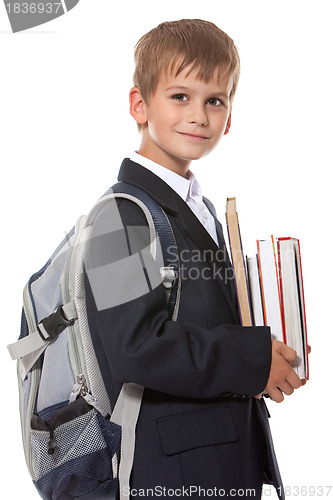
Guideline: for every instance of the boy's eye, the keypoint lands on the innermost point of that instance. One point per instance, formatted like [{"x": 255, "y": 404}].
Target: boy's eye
[
  {"x": 180, "y": 97},
  {"x": 214, "y": 101}
]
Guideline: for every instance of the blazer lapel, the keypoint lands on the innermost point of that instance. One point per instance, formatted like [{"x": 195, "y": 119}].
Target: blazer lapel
[{"x": 172, "y": 203}]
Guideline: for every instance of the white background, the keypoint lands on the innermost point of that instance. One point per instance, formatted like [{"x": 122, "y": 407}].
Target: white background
[{"x": 65, "y": 127}]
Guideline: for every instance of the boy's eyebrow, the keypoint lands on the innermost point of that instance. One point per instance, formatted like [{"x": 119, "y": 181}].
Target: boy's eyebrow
[
  {"x": 177, "y": 87},
  {"x": 187, "y": 89}
]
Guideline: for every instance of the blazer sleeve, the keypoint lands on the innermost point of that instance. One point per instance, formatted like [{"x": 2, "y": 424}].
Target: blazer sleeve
[{"x": 134, "y": 338}]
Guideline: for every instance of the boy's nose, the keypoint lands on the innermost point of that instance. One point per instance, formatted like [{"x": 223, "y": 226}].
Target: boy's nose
[{"x": 197, "y": 114}]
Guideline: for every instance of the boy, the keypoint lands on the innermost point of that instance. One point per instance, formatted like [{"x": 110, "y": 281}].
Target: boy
[{"x": 203, "y": 428}]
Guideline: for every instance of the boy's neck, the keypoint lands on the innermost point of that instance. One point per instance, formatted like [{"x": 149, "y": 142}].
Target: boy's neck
[{"x": 177, "y": 165}]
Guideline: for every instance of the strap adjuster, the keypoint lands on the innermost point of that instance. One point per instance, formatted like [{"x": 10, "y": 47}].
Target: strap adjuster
[
  {"x": 50, "y": 327},
  {"x": 168, "y": 277}
]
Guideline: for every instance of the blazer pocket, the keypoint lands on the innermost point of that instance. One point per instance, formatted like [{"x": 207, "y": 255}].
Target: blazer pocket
[{"x": 196, "y": 429}]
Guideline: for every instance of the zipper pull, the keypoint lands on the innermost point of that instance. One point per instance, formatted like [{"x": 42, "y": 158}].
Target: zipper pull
[
  {"x": 52, "y": 444},
  {"x": 79, "y": 389},
  {"x": 81, "y": 380}
]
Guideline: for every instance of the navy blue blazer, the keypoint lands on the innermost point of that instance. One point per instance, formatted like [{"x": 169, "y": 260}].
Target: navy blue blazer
[{"x": 199, "y": 425}]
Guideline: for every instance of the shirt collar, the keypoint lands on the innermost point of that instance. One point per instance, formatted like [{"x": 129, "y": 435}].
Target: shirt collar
[
  {"x": 178, "y": 183},
  {"x": 194, "y": 191}
]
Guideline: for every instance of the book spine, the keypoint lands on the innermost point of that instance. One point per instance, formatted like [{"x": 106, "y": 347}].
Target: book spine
[
  {"x": 305, "y": 324},
  {"x": 238, "y": 262},
  {"x": 261, "y": 284},
  {"x": 270, "y": 287},
  {"x": 281, "y": 292},
  {"x": 255, "y": 290},
  {"x": 278, "y": 286}
]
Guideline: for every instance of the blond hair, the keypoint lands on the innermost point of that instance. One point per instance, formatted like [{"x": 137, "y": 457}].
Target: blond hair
[{"x": 176, "y": 45}]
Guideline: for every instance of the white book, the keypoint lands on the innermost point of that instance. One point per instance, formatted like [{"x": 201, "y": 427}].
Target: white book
[
  {"x": 292, "y": 300},
  {"x": 270, "y": 287}
]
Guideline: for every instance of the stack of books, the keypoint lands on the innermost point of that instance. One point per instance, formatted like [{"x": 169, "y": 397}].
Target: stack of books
[{"x": 270, "y": 288}]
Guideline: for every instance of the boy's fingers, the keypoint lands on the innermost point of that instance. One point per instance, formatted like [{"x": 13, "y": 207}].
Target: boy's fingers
[
  {"x": 288, "y": 353},
  {"x": 293, "y": 379},
  {"x": 275, "y": 394},
  {"x": 286, "y": 388}
]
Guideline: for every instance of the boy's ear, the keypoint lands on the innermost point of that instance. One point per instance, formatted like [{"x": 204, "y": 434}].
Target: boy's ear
[
  {"x": 228, "y": 125},
  {"x": 137, "y": 106}
]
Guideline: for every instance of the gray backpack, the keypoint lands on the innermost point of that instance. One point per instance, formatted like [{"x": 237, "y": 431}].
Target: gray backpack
[{"x": 76, "y": 445}]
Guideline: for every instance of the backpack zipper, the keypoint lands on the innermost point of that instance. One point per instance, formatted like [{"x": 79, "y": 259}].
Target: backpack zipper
[
  {"x": 68, "y": 289},
  {"x": 35, "y": 378}
]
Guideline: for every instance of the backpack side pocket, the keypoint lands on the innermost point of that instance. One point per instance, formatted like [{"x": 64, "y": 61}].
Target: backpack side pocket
[{"x": 75, "y": 453}]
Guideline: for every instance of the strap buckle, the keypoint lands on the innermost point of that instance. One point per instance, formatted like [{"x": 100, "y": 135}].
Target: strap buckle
[{"x": 50, "y": 327}]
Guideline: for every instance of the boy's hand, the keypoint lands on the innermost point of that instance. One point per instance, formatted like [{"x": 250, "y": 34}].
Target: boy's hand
[{"x": 282, "y": 378}]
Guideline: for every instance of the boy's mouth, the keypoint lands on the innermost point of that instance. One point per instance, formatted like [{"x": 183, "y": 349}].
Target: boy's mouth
[{"x": 193, "y": 137}]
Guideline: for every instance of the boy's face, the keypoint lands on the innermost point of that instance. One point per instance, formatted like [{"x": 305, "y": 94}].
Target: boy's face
[{"x": 185, "y": 119}]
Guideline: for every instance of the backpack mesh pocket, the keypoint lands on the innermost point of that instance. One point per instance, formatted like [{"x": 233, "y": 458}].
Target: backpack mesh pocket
[{"x": 75, "y": 453}]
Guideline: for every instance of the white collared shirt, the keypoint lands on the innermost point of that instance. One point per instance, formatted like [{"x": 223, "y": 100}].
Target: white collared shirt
[{"x": 188, "y": 189}]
